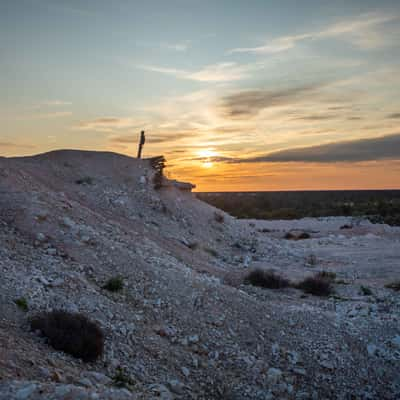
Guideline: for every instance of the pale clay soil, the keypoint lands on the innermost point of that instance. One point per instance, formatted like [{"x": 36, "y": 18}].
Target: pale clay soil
[{"x": 185, "y": 326}]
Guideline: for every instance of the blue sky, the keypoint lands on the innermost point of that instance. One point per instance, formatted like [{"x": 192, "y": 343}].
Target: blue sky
[{"x": 210, "y": 81}]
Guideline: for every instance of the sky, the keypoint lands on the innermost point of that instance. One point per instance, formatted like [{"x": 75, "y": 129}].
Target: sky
[{"x": 237, "y": 95}]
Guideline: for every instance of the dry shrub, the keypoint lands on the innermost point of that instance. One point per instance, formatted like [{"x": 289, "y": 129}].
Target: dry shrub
[
  {"x": 72, "y": 333},
  {"x": 393, "y": 285},
  {"x": 317, "y": 285},
  {"x": 266, "y": 279},
  {"x": 331, "y": 276}
]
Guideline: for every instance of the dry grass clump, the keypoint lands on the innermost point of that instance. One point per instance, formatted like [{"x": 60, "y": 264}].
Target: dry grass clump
[
  {"x": 72, "y": 333},
  {"x": 319, "y": 285},
  {"x": 395, "y": 285},
  {"x": 87, "y": 180},
  {"x": 289, "y": 236},
  {"x": 266, "y": 279},
  {"x": 301, "y": 236}
]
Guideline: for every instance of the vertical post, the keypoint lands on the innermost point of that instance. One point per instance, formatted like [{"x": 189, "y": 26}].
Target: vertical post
[{"x": 141, "y": 144}]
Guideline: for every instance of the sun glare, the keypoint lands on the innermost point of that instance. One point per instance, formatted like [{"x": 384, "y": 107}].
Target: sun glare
[
  {"x": 206, "y": 153},
  {"x": 206, "y": 156}
]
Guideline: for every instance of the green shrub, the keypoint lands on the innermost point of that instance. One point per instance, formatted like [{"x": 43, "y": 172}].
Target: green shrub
[
  {"x": 22, "y": 303},
  {"x": 115, "y": 284},
  {"x": 122, "y": 380},
  {"x": 266, "y": 279},
  {"x": 72, "y": 333}
]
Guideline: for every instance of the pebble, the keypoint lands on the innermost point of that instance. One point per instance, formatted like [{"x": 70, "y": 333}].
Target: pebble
[{"x": 274, "y": 375}]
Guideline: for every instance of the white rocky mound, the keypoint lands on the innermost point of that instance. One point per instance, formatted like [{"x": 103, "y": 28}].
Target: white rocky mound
[{"x": 184, "y": 325}]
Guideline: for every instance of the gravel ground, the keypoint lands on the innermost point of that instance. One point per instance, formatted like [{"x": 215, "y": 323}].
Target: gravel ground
[{"x": 185, "y": 326}]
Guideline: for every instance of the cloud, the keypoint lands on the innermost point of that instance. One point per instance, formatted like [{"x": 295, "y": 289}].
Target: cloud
[
  {"x": 393, "y": 116},
  {"x": 320, "y": 117},
  {"x": 249, "y": 103},
  {"x": 360, "y": 31},
  {"x": 15, "y": 145},
  {"x": 221, "y": 72},
  {"x": 56, "y": 103},
  {"x": 380, "y": 148},
  {"x": 179, "y": 46},
  {"x": 152, "y": 138},
  {"x": 109, "y": 124},
  {"x": 56, "y": 114}
]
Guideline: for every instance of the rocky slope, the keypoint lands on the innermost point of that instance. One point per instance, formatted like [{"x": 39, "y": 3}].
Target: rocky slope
[{"x": 185, "y": 326}]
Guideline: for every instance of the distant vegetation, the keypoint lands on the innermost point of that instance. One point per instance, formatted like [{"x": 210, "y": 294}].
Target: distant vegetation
[
  {"x": 377, "y": 205},
  {"x": 320, "y": 284}
]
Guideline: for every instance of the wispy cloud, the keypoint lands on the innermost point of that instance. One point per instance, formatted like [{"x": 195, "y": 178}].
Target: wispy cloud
[
  {"x": 56, "y": 114},
  {"x": 159, "y": 137},
  {"x": 371, "y": 149},
  {"x": 221, "y": 72},
  {"x": 178, "y": 46},
  {"x": 245, "y": 104},
  {"x": 55, "y": 103},
  {"x": 393, "y": 116},
  {"x": 7, "y": 145},
  {"x": 108, "y": 124},
  {"x": 361, "y": 31}
]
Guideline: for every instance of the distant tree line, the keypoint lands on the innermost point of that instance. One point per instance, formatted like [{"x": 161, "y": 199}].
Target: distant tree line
[{"x": 378, "y": 205}]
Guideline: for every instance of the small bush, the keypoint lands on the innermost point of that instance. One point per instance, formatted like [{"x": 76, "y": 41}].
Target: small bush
[
  {"x": 122, "y": 380},
  {"x": 218, "y": 217},
  {"x": 22, "y": 303},
  {"x": 316, "y": 285},
  {"x": 158, "y": 164},
  {"x": 366, "y": 291},
  {"x": 193, "y": 245},
  {"x": 115, "y": 284},
  {"x": 211, "y": 252},
  {"x": 266, "y": 279},
  {"x": 87, "y": 180},
  {"x": 346, "y": 226},
  {"x": 289, "y": 236},
  {"x": 72, "y": 333},
  {"x": 394, "y": 286},
  {"x": 330, "y": 276}
]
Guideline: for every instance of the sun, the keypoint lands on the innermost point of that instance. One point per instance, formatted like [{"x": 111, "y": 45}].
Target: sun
[{"x": 206, "y": 157}]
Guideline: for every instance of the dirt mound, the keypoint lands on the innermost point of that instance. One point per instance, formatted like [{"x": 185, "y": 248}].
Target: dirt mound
[{"x": 182, "y": 325}]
